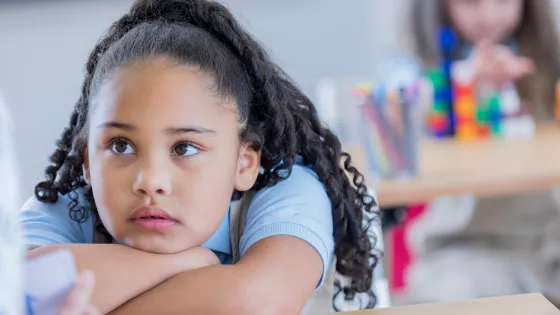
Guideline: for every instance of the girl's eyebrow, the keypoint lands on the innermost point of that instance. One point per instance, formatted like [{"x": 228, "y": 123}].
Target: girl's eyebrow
[
  {"x": 117, "y": 125},
  {"x": 171, "y": 130},
  {"x": 197, "y": 130}
]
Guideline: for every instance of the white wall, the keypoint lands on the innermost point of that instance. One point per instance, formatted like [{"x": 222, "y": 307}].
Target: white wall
[
  {"x": 44, "y": 46},
  {"x": 43, "y": 49}
]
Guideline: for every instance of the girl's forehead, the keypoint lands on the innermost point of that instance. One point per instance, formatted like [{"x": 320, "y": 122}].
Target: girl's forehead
[
  {"x": 164, "y": 78},
  {"x": 160, "y": 89}
]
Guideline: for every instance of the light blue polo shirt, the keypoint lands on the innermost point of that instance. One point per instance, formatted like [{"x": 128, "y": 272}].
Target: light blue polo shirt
[{"x": 298, "y": 206}]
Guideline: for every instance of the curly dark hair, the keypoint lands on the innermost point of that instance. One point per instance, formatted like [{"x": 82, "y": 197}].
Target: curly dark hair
[{"x": 277, "y": 118}]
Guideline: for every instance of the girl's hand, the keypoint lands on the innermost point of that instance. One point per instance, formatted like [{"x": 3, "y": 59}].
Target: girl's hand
[
  {"x": 78, "y": 301},
  {"x": 196, "y": 257},
  {"x": 497, "y": 64}
]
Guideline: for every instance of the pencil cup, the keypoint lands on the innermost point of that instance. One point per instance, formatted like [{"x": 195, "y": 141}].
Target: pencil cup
[{"x": 391, "y": 123}]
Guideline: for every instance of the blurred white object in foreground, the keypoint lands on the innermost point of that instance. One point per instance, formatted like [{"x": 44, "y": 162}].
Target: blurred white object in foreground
[{"x": 11, "y": 290}]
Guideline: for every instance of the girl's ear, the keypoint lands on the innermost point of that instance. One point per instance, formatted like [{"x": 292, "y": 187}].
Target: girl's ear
[
  {"x": 85, "y": 167},
  {"x": 248, "y": 166}
]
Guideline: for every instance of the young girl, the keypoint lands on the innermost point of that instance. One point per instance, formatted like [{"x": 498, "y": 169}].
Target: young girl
[
  {"x": 512, "y": 40},
  {"x": 466, "y": 247},
  {"x": 181, "y": 113}
]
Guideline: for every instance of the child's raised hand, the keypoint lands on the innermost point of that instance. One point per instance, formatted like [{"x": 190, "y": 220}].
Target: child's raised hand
[
  {"x": 498, "y": 64},
  {"x": 78, "y": 301}
]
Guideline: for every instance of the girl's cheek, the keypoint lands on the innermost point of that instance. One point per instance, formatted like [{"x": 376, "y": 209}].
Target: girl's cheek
[{"x": 116, "y": 162}]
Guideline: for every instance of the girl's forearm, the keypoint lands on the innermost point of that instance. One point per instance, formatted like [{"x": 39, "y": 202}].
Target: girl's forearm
[
  {"x": 122, "y": 272},
  {"x": 267, "y": 281},
  {"x": 214, "y": 290}
]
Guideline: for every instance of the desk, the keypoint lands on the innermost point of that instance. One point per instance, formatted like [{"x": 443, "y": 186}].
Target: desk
[
  {"x": 485, "y": 168},
  {"x": 529, "y": 304}
]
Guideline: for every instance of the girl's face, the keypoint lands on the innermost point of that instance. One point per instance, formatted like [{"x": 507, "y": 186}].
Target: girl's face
[
  {"x": 164, "y": 156},
  {"x": 493, "y": 20}
]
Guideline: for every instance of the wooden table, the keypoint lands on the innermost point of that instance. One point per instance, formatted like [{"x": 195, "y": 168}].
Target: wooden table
[
  {"x": 530, "y": 304},
  {"x": 485, "y": 168}
]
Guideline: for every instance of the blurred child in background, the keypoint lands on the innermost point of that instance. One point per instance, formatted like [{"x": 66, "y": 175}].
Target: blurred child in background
[{"x": 467, "y": 247}]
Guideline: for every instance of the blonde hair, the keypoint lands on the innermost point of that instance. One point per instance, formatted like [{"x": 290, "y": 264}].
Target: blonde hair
[{"x": 536, "y": 36}]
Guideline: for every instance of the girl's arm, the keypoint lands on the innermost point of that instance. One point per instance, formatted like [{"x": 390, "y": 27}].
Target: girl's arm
[
  {"x": 287, "y": 245},
  {"x": 122, "y": 272},
  {"x": 276, "y": 276}
]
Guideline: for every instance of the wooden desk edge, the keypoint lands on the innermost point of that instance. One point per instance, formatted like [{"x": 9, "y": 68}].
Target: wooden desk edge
[
  {"x": 527, "y": 304},
  {"x": 389, "y": 197},
  {"x": 397, "y": 193}
]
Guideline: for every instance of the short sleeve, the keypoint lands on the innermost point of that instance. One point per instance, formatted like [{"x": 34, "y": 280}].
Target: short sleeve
[
  {"x": 297, "y": 206},
  {"x": 45, "y": 224}
]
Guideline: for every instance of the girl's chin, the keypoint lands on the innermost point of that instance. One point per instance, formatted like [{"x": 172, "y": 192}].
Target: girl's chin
[{"x": 154, "y": 246}]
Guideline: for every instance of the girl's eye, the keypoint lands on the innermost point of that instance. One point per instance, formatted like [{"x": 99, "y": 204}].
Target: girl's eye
[
  {"x": 185, "y": 149},
  {"x": 121, "y": 147}
]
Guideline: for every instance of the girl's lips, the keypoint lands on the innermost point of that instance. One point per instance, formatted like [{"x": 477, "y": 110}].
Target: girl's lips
[
  {"x": 153, "y": 219},
  {"x": 155, "y": 224}
]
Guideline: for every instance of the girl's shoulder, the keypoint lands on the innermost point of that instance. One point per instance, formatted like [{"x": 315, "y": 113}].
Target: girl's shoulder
[
  {"x": 302, "y": 181},
  {"x": 50, "y": 223},
  {"x": 298, "y": 206}
]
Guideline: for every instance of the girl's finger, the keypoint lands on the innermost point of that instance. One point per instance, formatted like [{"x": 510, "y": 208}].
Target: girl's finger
[
  {"x": 483, "y": 47},
  {"x": 520, "y": 68},
  {"x": 526, "y": 65},
  {"x": 78, "y": 300}
]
